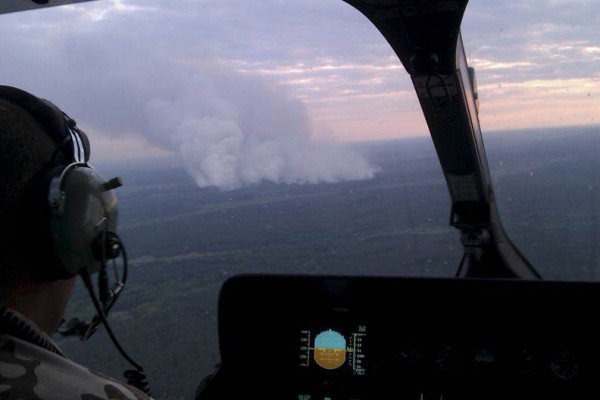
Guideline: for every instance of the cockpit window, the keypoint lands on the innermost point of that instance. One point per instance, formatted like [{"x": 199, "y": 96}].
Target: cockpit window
[
  {"x": 539, "y": 91},
  {"x": 266, "y": 137},
  {"x": 286, "y": 137}
]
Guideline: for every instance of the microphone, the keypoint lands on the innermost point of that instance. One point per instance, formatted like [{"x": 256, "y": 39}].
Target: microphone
[
  {"x": 107, "y": 247},
  {"x": 75, "y": 327}
]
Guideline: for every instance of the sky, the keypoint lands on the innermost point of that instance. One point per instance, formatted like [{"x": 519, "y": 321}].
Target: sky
[{"x": 271, "y": 77}]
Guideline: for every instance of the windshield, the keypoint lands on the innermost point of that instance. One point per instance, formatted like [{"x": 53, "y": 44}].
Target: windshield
[
  {"x": 286, "y": 137},
  {"x": 539, "y": 88}
]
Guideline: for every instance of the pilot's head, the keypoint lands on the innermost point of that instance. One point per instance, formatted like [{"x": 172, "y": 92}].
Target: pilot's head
[
  {"x": 24, "y": 151},
  {"x": 55, "y": 210}
]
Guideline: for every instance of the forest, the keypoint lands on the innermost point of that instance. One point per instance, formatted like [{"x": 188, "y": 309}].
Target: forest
[{"x": 183, "y": 242}]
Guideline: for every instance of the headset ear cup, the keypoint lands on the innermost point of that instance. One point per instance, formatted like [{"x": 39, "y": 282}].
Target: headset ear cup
[
  {"x": 82, "y": 212},
  {"x": 64, "y": 212}
]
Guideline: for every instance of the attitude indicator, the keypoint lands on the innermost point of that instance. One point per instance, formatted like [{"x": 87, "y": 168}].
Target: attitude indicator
[{"x": 330, "y": 349}]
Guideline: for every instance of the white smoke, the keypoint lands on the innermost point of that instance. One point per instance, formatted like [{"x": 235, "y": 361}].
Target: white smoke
[{"x": 233, "y": 129}]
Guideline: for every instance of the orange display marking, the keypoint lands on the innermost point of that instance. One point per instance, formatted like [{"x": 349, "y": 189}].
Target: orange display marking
[{"x": 330, "y": 358}]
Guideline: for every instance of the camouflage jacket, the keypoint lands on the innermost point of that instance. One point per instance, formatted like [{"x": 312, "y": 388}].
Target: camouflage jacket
[{"x": 33, "y": 367}]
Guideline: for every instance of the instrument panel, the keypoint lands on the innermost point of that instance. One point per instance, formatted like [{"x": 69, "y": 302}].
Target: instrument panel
[{"x": 356, "y": 338}]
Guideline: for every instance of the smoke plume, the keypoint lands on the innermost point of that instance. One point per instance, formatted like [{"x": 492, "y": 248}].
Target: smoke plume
[{"x": 232, "y": 129}]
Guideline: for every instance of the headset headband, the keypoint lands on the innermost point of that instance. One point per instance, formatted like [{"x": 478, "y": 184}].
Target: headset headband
[
  {"x": 61, "y": 128},
  {"x": 80, "y": 155}
]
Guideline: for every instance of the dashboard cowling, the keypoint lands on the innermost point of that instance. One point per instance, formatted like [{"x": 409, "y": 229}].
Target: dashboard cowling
[{"x": 436, "y": 338}]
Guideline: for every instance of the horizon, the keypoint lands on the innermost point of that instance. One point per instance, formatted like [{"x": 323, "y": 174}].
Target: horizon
[{"x": 171, "y": 160}]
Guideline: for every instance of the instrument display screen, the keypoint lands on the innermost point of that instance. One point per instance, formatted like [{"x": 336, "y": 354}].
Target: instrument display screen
[{"x": 342, "y": 338}]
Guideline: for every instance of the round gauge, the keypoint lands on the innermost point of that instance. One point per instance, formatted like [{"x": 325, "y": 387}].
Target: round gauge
[
  {"x": 565, "y": 365},
  {"x": 446, "y": 360},
  {"x": 485, "y": 356},
  {"x": 524, "y": 362},
  {"x": 409, "y": 355}
]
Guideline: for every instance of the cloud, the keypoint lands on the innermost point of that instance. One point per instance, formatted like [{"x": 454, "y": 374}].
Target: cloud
[
  {"x": 533, "y": 61},
  {"x": 85, "y": 56},
  {"x": 542, "y": 39},
  {"x": 331, "y": 46},
  {"x": 129, "y": 70}
]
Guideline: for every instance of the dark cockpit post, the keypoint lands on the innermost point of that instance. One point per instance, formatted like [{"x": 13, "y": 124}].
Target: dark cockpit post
[{"x": 426, "y": 37}]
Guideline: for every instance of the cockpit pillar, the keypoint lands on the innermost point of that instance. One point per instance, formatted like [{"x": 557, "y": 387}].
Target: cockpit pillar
[{"x": 426, "y": 37}]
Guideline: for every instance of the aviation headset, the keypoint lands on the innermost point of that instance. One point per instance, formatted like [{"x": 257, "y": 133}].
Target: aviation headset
[{"x": 68, "y": 214}]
